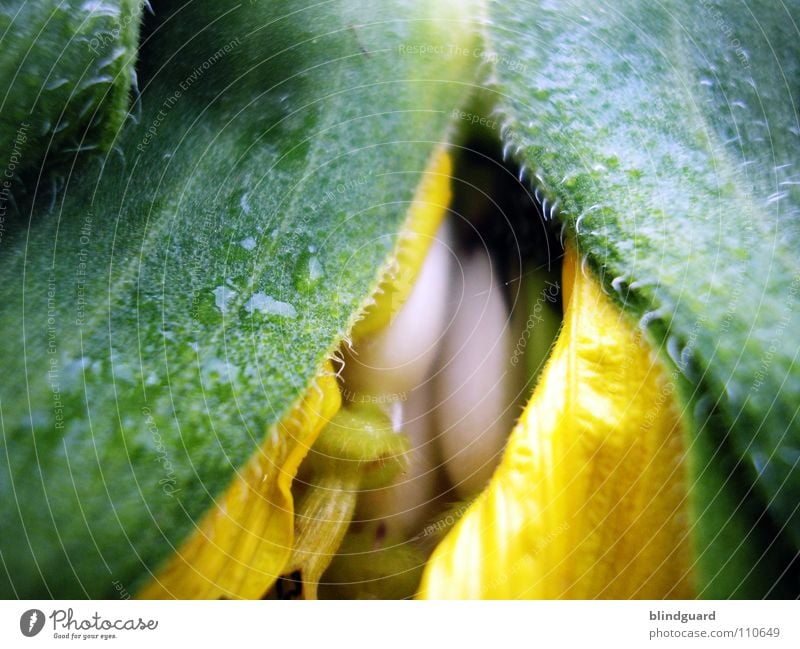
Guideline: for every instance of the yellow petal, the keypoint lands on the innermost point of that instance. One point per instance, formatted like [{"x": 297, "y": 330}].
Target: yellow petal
[
  {"x": 243, "y": 543},
  {"x": 590, "y": 498},
  {"x": 427, "y": 211}
]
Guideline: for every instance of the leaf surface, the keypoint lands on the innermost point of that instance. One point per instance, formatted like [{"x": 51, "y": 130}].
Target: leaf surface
[{"x": 184, "y": 294}]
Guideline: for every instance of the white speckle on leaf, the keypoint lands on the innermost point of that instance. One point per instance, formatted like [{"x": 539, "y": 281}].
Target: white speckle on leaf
[
  {"x": 617, "y": 283},
  {"x": 244, "y": 204},
  {"x": 56, "y": 83},
  {"x": 777, "y": 196},
  {"x": 248, "y": 243},
  {"x": 649, "y": 317},
  {"x": 222, "y": 297},
  {"x": 674, "y": 351},
  {"x": 269, "y": 306},
  {"x": 216, "y": 369}
]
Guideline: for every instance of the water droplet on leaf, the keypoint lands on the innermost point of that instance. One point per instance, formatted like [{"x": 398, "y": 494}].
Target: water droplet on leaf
[{"x": 308, "y": 272}]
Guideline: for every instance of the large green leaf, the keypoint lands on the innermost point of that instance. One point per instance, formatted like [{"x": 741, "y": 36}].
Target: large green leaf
[
  {"x": 666, "y": 137},
  {"x": 184, "y": 293},
  {"x": 65, "y": 74}
]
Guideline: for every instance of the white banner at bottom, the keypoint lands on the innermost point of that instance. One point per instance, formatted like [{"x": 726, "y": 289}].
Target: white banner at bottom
[{"x": 384, "y": 625}]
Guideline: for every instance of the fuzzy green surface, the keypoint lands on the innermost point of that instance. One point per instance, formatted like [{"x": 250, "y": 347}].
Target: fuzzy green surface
[
  {"x": 360, "y": 441},
  {"x": 183, "y": 294},
  {"x": 65, "y": 78},
  {"x": 669, "y": 135}
]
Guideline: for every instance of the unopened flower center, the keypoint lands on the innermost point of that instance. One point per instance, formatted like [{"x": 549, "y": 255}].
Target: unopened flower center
[{"x": 442, "y": 362}]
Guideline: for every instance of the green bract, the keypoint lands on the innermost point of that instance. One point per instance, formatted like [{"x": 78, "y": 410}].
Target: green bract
[
  {"x": 65, "y": 74},
  {"x": 665, "y": 137},
  {"x": 186, "y": 291}
]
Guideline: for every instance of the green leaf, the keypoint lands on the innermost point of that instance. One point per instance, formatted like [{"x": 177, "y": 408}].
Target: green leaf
[
  {"x": 667, "y": 135},
  {"x": 66, "y": 74},
  {"x": 184, "y": 294}
]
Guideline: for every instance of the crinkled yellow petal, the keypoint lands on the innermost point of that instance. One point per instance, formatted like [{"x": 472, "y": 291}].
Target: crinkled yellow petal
[
  {"x": 590, "y": 498},
  {"x": 243, "y": 543},
  {"x": 427, "y": 211}
]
